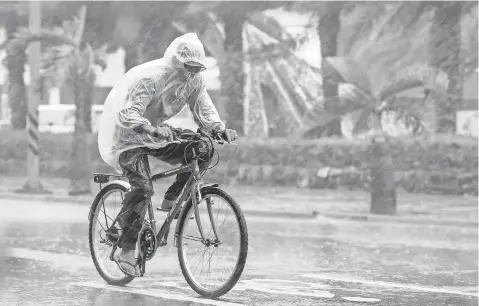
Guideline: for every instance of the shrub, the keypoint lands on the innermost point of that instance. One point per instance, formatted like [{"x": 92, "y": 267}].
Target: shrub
[{"x": 441, "y": 163}]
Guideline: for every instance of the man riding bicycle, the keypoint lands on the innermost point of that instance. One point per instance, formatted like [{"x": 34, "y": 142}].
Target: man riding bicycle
[{"x": 131, "y": 129}]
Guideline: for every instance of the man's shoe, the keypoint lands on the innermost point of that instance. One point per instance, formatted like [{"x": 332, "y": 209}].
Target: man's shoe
[{"x": 167, "y": 205}]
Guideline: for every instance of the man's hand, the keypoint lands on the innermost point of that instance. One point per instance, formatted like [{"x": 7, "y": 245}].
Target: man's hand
[
  {"x": 229, "y": 135},
  {"x": 162, "y": 132}
]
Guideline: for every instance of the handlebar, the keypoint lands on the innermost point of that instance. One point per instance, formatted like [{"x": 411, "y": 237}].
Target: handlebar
[{"x": 213, "y": 136}]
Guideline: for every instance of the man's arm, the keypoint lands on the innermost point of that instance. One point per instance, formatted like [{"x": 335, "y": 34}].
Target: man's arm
[
  {"x": 138, "y": 98},
  {"x": 204, "y": 111}
]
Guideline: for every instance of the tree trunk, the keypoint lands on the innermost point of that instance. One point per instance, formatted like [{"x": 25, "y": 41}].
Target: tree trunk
[
  {"x": 15, "y": 64},
  {"x": 381, "y": 167},
  {"x": 81, "y": 166},
  {"x": 328, "y": 29},
  {"x": 383, "y": 191},
  {"x": 445, "y": 48},
  {"x": 231, "y": 71}
]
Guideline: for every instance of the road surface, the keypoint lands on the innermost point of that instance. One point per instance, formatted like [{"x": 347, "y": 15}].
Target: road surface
[{"x": 45, "y": 260}]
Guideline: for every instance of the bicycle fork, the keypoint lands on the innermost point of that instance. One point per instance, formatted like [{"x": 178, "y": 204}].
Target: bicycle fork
[{"x": 196, "y": 199}]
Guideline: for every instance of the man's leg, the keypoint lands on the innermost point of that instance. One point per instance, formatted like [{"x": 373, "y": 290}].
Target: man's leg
[
  {"x": 136, "y": 168},
  {"x": 178, "y": 153}
]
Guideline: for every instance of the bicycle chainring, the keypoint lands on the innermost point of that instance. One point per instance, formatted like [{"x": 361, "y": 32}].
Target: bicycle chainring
[{"x": 148, "y": 243}]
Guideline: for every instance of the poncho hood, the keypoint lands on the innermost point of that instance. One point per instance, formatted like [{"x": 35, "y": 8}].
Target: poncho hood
[{"x": 185, "y": 48}]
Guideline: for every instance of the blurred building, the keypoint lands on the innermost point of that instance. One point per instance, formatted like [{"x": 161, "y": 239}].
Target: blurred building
[{"x": 468, "y": 115}]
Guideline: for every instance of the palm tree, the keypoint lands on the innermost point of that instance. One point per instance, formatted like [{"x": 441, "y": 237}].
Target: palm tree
[
  {"x": 68, "y": 60},
  {"x": 412, "y": 32},
  {"x": 328, "y": 27},
  {"x": 369, "y": 107}
]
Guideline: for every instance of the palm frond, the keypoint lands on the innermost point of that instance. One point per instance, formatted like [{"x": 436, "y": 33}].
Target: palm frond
[
  {"x": 366, "y": 23},
  {"x": 423, "y": 76},
  {"x": 57, "y": 69},
  {"x": 387, "y": 38},
  {"x": 356, "y": 123},
  {"x": 80, "y": 25},
  {"x": 402, "y": 118},
  {"x": 357, "y": 26},
  {"x": 348, "y": 70},
  {"x": 52, "y": 37},
  {"x": 350, "y": 99}
]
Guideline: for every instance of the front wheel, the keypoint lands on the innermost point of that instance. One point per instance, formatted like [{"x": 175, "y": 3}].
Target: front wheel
[{"x": 225, "y": 239}]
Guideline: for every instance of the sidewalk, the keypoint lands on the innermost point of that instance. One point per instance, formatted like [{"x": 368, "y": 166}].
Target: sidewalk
[{"x": 297, "y": 203}]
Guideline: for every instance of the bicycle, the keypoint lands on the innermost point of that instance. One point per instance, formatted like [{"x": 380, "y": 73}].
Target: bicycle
[{"x": 194, "y": 194}]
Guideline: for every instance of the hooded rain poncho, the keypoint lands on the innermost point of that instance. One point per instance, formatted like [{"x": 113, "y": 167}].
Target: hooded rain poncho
[{"x": 152, "y": 93}]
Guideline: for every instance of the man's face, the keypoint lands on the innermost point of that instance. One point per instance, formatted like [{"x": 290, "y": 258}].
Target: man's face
[{"x": 194, "y": 68}]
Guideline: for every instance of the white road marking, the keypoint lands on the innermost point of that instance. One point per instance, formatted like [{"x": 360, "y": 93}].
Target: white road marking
[
  {"x": 349, "y": 279},
  {"x": 157, "y": 293},
  {"x": 360, "y": 299},
  {"x": 274, "y": 286},
  {"x": 289, "y": 287}
]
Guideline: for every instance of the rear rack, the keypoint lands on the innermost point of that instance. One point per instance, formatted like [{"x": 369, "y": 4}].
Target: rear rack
[{"x": 102, "y": 178}]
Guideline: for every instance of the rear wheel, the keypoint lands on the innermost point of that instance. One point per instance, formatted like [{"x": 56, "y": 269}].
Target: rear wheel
[
  {"x": 104, "y": 210},
  {"x": 226, "y": 241}
]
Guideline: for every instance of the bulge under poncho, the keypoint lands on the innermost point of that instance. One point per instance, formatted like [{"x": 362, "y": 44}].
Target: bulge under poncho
[{"x": 152, "y": 93}]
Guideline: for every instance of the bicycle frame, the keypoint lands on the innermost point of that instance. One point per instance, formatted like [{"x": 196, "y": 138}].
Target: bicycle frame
[{"x": 193, "y": 184}]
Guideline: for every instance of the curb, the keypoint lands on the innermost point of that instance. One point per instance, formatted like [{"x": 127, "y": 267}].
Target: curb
[
  {"x": 399, "y": 219},
  {"x": 87, "y": 201},
  {"x": 361, "y": 217}
]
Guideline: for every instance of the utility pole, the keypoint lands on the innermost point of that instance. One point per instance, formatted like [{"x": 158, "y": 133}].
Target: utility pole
[{"x": 33, "y": 185}]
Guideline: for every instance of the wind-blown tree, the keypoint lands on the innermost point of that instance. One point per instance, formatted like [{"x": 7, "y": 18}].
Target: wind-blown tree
[
  {"x": 68, "y": 60},
  {"x": 328, "y": 15},
  {"x": 368, "y": 107},
  {"x": 232, "y": 16},
  {"x": 388, "y": 36},
  {"x": 13, "y": 16}
]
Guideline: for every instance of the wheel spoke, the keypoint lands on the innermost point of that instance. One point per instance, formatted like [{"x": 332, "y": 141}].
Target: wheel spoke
[{"x": 192, "y": 238}]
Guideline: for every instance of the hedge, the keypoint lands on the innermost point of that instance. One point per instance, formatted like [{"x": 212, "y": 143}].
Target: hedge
[{"x": 445, "y": 163}]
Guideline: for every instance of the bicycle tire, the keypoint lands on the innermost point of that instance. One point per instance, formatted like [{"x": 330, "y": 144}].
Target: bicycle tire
[
  {"x": 240, "y": 264},
  {"x": 116, "y": 282}
]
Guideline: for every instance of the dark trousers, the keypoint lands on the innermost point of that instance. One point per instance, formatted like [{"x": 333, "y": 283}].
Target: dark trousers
[{"x": 136, "y": 168}]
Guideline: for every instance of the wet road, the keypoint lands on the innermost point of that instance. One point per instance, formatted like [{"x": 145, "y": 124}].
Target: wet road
[{"x": 290, "y": 262}]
